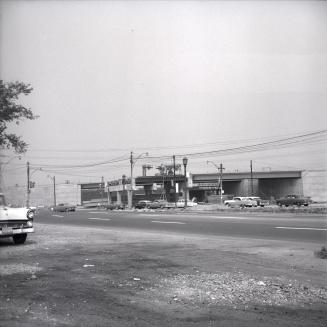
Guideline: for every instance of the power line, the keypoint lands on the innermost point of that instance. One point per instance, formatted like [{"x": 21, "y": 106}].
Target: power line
[
  {"x": 165, "y": 147},
  {"x": 304, "y": 139}
]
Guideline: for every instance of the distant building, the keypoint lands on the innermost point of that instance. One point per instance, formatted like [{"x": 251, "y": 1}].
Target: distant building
[{"x": 203, "y": 187}]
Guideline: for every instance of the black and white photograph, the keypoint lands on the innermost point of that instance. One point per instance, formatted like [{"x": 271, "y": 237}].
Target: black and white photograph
[{"x": 163, "y": 163}]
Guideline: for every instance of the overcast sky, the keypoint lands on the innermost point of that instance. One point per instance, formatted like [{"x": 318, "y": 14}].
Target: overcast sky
[{"x": 111, "y": 77}]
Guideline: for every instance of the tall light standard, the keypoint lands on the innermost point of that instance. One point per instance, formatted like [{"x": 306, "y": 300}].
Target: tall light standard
[
  {"x": 133, "y": 162},
  {"x": 220, "y": 180},
  {"x": 185, "y": 186}
]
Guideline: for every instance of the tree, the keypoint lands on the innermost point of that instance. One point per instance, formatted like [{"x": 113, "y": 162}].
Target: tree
[{"x": 13, "y": 112}]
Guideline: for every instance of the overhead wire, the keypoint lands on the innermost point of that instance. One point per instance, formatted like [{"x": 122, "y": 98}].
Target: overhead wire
[
  {"x": 166, "y": 147},
  {"x": 316, "y": 137}
]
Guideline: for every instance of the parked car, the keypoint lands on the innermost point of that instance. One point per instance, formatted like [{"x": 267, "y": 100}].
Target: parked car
[
  {"x": 114, "y": 206},
  {"x": 157, "y": 204},
  {"x": 181, "y": 203},
  {"x": 292, "y": 199},
  {"x": 15, "y": 222},
  {"x": 63, "y": 207},
  {"x": 259, "y": 202},
  {"x": 142, "y": 204},
  {"x": 240, "y": 201}
]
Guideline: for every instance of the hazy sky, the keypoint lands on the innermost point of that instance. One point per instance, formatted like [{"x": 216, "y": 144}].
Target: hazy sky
[{"x": 111, "y": 77}]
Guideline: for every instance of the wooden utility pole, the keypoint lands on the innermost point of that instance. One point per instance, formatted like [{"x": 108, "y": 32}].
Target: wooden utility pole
[
  {"x": 130, "y": 202},
  {"x": 102, "y": 186},
  {"x": 174, "y": 182},
  {"x": 221, "y": 168},
  {"x": 251, "y": 178}
]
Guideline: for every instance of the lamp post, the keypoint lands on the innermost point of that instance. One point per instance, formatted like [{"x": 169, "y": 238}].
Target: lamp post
[
  {"x": 133, "y": 162},
  {"x": 185, "y": 186},
  {"x": 220, "y": 180}
]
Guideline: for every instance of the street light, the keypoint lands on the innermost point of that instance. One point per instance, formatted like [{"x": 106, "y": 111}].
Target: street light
[
  {"x": 185, "y": 186},
  {"x": 133, "y": 162},
  {"x": 220, "y": 179}
]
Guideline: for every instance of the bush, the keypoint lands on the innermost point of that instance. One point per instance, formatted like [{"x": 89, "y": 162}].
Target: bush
[{"x": 322, "y": 254}]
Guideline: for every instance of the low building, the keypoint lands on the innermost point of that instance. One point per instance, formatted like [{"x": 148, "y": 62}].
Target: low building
[{"x": 203, "y": 187}]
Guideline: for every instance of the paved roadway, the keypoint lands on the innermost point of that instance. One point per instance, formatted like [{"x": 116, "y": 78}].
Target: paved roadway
[{"x": 305, "y": 228}]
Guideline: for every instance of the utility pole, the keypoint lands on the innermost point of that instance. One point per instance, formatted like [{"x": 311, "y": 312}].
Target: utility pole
[
  {"x": 221, "y": 182},
  {"x": 185, "y": 160},
  {"x": 124, "y": 186},
  {"x": 174, "y": 182},
  {"x": 132, "y": 162},
  {"x": 102, "y": 185},
  {"x": 251, "y": 178},
  {"x": 130, "y": 202},
  {"x": 108, "y": 194},
  {"x": 28, "y": 185}
]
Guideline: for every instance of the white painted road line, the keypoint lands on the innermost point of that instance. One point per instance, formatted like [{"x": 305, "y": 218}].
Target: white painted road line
[
  {"x": 215, "y": 217},
  {"x": 230, "y": 217},
  {"x": 168, "y": 222},
  {"x": 100, "y": 218},
  {"x": 58, "y": 216},
  {"x": 302, "y": 228},
  {"x": 98, "y": 213}
]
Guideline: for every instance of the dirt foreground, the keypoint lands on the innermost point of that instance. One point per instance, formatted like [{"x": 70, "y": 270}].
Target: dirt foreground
[{"x": 94, "y": 277}]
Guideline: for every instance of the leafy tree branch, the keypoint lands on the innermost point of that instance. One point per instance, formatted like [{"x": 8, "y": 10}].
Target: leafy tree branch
[{"x": 13, "y": 112}]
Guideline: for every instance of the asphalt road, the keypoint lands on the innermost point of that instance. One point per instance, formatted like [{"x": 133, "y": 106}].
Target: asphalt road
[{"x": 305, "y": 228}]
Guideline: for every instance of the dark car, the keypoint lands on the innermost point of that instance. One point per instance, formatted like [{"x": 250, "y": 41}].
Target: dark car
[
  {"x": 142, "y": 204},
  {"x": 292, "y": 199},
  {"x": 63, "y": 207}
]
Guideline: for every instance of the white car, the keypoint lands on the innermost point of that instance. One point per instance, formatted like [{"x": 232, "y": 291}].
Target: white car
[
  {"x": 181, "y": 203},
  {"x": 240, "y": 201},
  {"x": 15, "y": 222},
  {"x": 259, "y": 201}
]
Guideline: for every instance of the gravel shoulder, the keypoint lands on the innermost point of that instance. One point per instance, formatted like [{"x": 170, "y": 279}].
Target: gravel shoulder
[{"x": 93, "y": 277}]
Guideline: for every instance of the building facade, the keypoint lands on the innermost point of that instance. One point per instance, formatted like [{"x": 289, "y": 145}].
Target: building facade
[{"x": 268, "y": 185}]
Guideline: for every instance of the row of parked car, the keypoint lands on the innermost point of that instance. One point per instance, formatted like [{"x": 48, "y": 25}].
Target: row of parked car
[
  {"x": 161, "y": 204},
  {"x": 246, "y": 201},
  {"x": 156, "y": 204},
  {"x": 237, "y": 201},
  {"x": 255, "y": 201}
]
